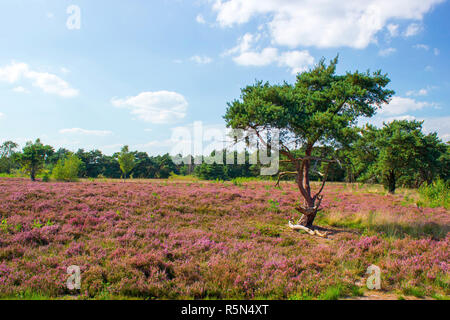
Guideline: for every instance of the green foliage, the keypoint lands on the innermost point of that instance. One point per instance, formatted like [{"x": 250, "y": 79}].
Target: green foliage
[
  {"x": 37, "y": 224},
  {"x": 274, "y": 205},
  {"x": 4, "y": 225},
  {"x": 46, "y": 178},
  {"x": 398, "y": 154},
  {"x": 435, "y": 194},
  {"x": 126, "y": 161},
  {"x": 34, "y": 156},
  {"x": 320, "y": 107},
  {"x": 67, "y": 169},
  {"x": 8, "y": 157}
]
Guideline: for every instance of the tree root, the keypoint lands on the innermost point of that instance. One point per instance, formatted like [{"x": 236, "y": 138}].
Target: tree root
[{"x": 308, "y": 230}]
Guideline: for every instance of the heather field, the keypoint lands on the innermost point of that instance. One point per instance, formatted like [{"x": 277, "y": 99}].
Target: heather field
[{"x": 177, "y": 239}]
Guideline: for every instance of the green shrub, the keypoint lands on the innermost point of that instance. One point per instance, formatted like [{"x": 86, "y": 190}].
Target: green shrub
[
  {"x": 435, "y": 194},
  {"x": 46, "y": 178},
  {"x": 67, "y": 169}
]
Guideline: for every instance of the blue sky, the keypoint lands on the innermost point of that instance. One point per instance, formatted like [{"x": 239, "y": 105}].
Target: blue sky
[{"x": 134, "y": 70}]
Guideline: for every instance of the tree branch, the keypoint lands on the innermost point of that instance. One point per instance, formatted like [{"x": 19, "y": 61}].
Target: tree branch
[
  {"x": 308, "y": 230},
  {"x": 281, "y": 174},
  {"x": 323, "y": 182}
]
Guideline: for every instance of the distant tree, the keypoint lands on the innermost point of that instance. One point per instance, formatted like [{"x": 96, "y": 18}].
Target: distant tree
[
  {"x": 34, "y": 156},
  {"x": 7, "y": 156},
  {"x": 67, "y": 169},
  {"x": 62, "y": 153},
  {"x": 126, "y": 161},
  {"x": 145, "y": 166},
  {"x": 111, "y": 167},
  {"x": 444, "y": 161},
  {"x": 165, "y": 166},
  {"x": 400, "y": 154},
  {"x": 320, "y": 109},
  {"x": 93, "y": 163}
]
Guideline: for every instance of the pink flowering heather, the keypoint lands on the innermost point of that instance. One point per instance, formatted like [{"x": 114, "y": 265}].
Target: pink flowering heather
[{"x": 179, "y": 239}]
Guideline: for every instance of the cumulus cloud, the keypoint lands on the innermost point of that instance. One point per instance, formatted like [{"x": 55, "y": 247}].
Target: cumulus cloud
[
  {"x": 1, "y": 115},
  {"x": 47, "y": 82},
  {"x": 298, "y": 61},
  {"x": 387, "y": 52},
  {"x": 412, "y": 30},
  {"x": 201, "y": 59},
  {"x": 21, "y": 90},
  {"x": 246, "y": 55},
  {"x": 200, "y": 19},
  {"x": 99, "y": 133},
  {"x": 400, "y": 105},
  {"x": 257, "y": 58},
  {"x": 393, "y": 29},
  {"x": 420, "y": 92},
  {"x": 155, "y": 107},
  {"x": 325, "y": 23}
]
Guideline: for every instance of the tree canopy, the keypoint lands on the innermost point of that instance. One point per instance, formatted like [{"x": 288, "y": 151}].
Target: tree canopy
[
  {"x": 321, "y": 108},
  {"x": 399, "y": 152},
  {"x": 126, "y": 161},
  {"x": 34, "y": 156}
]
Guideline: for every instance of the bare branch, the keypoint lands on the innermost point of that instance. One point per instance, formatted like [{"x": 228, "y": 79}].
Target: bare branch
[
  {"x": 323, "y": 183},
  {"x": 308, "y": 230},
  {"x": 310, "y": 158},
  {"x": 281, "y": 174}
]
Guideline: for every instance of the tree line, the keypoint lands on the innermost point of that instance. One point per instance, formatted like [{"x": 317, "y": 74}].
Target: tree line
[{"x": 398, "y": 154}]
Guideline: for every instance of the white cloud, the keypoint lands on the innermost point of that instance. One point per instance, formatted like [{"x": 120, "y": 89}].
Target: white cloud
[
  {"x": 441, "y": 125},
  {"x": 436, "y": 51},
  {"x": 155, "y": 107},
  {"x": 428, "y": 68},
  {"x": 99, "y": 133},
  {"x": 255, "y": 58},
  {"x": 412, "y": 30},
  {"x": 47, "y": 82},
  {"x": 420, "y": 92},
  {"x": 400, "y": 105},
  {"x": 21, "y": 90},
  {"x": 244, "y": 44},
  {"x": 50, "y": 15},
  {"x": 201, "y": 59},
  {"x": 298, "y": 61},
  {"x": 325, "y": 23},
  {"x": 155, "y": 143},
  {"x": 387, "y": 52},
  {"x": 13, "y": 72},
  {"x": 246, "y": 55},
  {"x": 422, "y": 46},
  {"x": 200, "y": 19},
  {"x": 1, "y": 115},
  {"x": 393, "y": 29}
]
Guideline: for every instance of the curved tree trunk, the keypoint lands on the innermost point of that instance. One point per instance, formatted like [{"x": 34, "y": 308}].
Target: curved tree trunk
[
  {"x": 307, "y": 220},
  {"x": 309, "y": 211}
]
